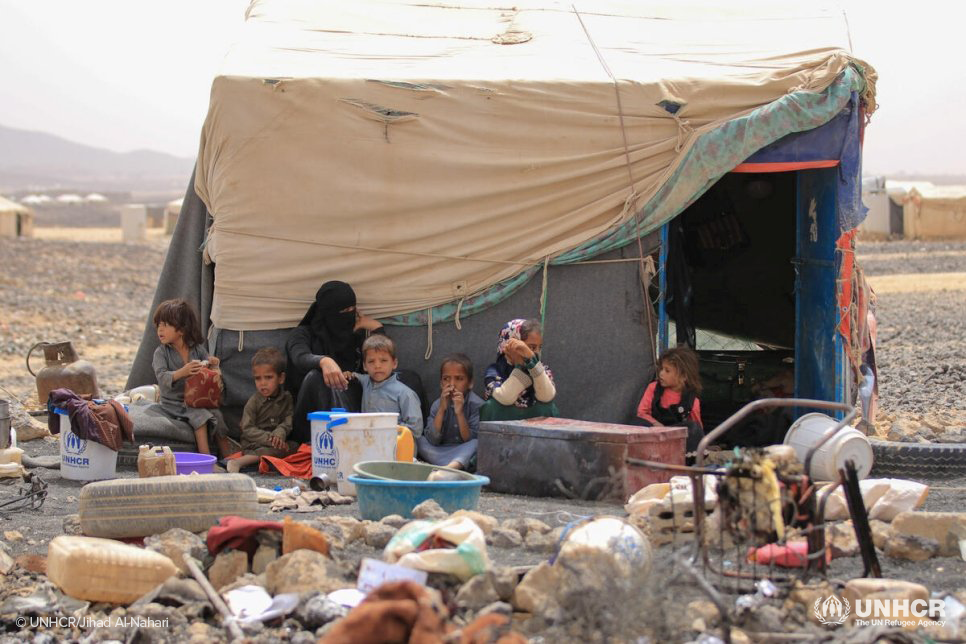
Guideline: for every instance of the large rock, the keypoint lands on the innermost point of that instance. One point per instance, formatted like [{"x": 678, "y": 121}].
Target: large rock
[
  {"x": 943, "y": 527},
  {"x": 911, "y": 547},
  {"x": 228, "y": 566},
  {"x": 503, "y": 538},
  {"x": 478, "y": 592},
  {"x": 317, "y": 610},
  {"x": 395, "y": 520},
  {"x": 885, "y": 589},
  {"x": 841, "y": 539},
  {"x": 429, "y": 509},
  {"x": 378, "y": 534},
  {"x": 303, "y": 571},
  {"x": 264, "y": 555},
  {"x": 174, "y": 543},
  {"x": 352, "y": 529},
  {"x": 505, "y": 581},
  {"x": 536, "y": 591},
  {"x": 484, "y": 521},
  {"x": 539, "y": 542},
  {"x": 881, "y": 531}
]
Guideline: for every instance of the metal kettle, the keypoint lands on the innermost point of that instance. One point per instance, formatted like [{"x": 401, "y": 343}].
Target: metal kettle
[{"x": 63, "y": 369}]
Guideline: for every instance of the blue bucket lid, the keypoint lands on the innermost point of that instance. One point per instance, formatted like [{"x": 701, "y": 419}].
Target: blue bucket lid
[{"x": 327, "y": 415}]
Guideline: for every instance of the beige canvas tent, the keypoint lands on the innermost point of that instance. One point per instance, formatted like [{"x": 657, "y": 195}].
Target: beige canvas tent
[
  {"x": 465, "y": 163},
  {"x": 15, "y": 220},
  {"x": 935, "y": 212}
]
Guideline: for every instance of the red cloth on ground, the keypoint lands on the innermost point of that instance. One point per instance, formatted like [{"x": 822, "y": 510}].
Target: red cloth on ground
[
  {"x": 238, "y": 533},
  {"x": 297, "y": 465}
]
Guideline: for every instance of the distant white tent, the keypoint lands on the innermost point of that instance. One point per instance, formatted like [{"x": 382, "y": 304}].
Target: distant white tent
[
  {"x": 15, "y": 220},
  {"x": 95, "y": 198},
  {"x": 35, "y": 200},
  {"x": 70, "y": 199}
]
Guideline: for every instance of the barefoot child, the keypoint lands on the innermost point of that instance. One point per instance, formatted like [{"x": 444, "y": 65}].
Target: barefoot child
[
  {"x": 672, "y": 399},
  {"x": 454, "y": 419},
  {"x": 182, "y": 354},
  {"x": 381, "y": 389},
  {"x": 267, "y": 419}
]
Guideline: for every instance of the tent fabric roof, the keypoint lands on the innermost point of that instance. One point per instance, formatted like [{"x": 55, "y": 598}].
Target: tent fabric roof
[
  {"x": 425, "y": 151},
  {"x": 11, "y": 206}
]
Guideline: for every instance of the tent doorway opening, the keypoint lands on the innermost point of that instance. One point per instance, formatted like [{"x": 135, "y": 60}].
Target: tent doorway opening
[{"x": 749, "y": 282}]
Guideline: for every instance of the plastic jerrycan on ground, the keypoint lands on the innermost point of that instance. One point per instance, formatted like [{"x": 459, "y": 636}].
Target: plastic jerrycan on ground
[
  {"x": 103, "y": 570},
  {"x": 155, "y": 461}
]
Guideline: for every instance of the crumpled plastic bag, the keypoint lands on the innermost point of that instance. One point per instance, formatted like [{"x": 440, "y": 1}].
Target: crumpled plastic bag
[
  {"x": 883, "y": 498},
  {"x": 456, "y": 546}
]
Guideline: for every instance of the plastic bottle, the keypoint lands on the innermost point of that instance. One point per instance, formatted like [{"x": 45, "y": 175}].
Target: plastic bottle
[
  {"x": 12, "y": 454},
  {"x": 103, "y": 570}
]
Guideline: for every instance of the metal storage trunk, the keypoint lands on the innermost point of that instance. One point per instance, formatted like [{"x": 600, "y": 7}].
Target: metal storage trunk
[{"x": 574, "y": 458}]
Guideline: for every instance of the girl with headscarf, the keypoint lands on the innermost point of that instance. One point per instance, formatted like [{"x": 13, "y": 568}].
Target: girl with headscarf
[
  {"x": 321, "y": 349},
  {"x": 518, "y": 385}
]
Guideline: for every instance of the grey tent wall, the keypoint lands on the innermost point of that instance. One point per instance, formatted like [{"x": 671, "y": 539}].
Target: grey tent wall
[
  {"x": 184, "y": 275},
  {"x": 596, "y": 340}
]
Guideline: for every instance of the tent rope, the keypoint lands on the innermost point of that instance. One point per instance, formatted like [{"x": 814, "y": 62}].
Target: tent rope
[
  {"x": 456, "y": 316},
  {"x": 543, "y": 295},
  {"x": 684, "y": 129},
  {"x": 429, "y": 334}
]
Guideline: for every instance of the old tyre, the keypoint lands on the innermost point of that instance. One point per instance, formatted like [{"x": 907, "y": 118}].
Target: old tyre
[
  {"x": 918, "y": 460},
  {"x": 141, "y": 507}
]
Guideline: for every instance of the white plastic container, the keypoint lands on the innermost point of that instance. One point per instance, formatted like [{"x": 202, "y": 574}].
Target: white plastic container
[
  {"x": 83, "y": 460},
  {"x": 362, "y": 437},
  {"x": 325, "y": 457},
  {"x": 103, "y": 570},
  {"x": 849, "y": 444}
]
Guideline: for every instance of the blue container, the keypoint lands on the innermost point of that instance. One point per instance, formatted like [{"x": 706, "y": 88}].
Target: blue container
[{"x": 380, "y": 498}]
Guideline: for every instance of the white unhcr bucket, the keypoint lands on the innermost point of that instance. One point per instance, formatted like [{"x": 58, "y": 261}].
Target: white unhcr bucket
[
  {"x": 81, "y": 459},
  {"x": 325, "y": 457},
  {"x": 362, "y": 437},
  {"x": 848, "y": 444}
]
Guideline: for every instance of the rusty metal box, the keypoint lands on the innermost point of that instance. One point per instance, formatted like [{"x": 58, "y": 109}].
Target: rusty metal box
[{"x": 574, "y": 458}]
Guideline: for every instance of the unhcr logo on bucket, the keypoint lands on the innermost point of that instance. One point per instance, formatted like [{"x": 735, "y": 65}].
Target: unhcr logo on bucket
[
  {"x": 833, "y": 611},
  {"x": 74, "y": 444},
  {"x": 326, "y": 454}
]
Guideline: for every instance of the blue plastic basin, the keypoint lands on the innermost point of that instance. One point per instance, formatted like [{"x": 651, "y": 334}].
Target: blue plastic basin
[{"x": 380, "y": 498}]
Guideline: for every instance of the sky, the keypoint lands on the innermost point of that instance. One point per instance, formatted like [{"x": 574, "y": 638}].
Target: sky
[{"x": 136, "y": 74}]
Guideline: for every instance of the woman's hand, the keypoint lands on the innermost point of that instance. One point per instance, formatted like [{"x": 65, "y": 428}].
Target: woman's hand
[
  {"x": 367, "y": 323},
  {"x": 332, "y": 375},
  {"x": 214, "y": 361},
  {"x": 277, "y": 442}
]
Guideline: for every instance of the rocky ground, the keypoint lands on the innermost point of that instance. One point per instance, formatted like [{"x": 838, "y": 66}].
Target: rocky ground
[
  {"x": 97, "y": 294},
  {"x": 921, "y": 350}
]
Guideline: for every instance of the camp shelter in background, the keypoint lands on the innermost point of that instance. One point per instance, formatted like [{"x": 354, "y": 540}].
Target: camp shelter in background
[
  {"x": 15, "y": 220},
  {"x": 461, "y": 165},
  {"x": 935, "y": 212}
]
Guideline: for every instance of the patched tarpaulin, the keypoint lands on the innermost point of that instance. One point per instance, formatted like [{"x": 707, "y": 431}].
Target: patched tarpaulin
[{"x": 436, "y": 155}]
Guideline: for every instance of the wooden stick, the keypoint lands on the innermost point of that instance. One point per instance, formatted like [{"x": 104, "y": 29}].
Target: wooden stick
[{"x": 216, "y": 601}]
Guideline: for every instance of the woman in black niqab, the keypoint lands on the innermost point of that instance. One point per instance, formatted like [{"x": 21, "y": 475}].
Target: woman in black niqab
[{"x": 326, "y": 343}]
